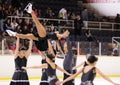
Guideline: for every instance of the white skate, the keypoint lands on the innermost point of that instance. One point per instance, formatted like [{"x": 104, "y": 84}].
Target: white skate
[
  {"x": 28, "y": 8},
  {"x": 11, "y": 33}
]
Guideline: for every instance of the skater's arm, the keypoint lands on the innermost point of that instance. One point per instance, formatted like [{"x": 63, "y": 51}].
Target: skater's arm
[
  {"x": 36, "y": 67},
  {"x": 75, "y": 67},
  {"x": 62, "y": 70},
  {"x": 30, "y": 48},
  {"x": 65, "y": 34},
  {"x": 59, "y": 48},
  {"x": 71, "y": 77},
  {"x": 50, "y": 48},
  {"x": 17, "y": 47},
  {"x": 105, "y": 77},
  {"x": 27, "y": 36},
  {"x": 51, "y": 63}
]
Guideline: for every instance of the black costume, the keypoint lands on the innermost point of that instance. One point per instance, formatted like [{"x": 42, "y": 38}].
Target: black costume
[
  {"x": 51, "y": 73},
  {"x": 42, "y": 43},
  {"x": 52, "y": 36},
  {"x": 20, "y": 76},
  {"x": 88, "y": 77},
  {"x": 44, "y": 77}
]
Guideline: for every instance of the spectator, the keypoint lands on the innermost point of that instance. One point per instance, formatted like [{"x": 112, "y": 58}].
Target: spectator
[
  {"x": 49, "y": 13},
  {"x": 91, "y": 15},
  {"x": 25, "y": 30},
  {"x": 5, "y": 12},
  {"x": 39, "y": 13},
  {"x": 72, "y": 16},
  {"x": 14, "y": 24},
  {"x": 52, "y": 27},
  {"x": 78, "y": 24},
  {"x": 63, "y": 14},
  {"x": 31, "y": 30},
  {"x": 59, "y": 29},
  {"x": 18, "y": 29},
  {"x": 30, "y": 25},
  {"x": 19, "y": 12},
  {"x": 3, "y": 34},
  {"x": 7, "y": 24},
  {"x": 16, "y": 3},
  {"x": 115, "y": 50},
  {"x": 91, "y": 38},
  {"x": 10, "y": 9},
  {"x": 14, "y": 12},
  {"x": 68, "y": 14},
  {"x": 89, "y": 35},
  {"x": 117, "y": 20},
  {"x": 22, "y": 5},
  {"x": 95, "y": 17},
  {"x": 36, "y": 12},
  {"x": 1, "y": 17},
  {"x": 20, "y": 22},
  {"x": 84, "y": 14},
  {"x": 49, "y": 29}
]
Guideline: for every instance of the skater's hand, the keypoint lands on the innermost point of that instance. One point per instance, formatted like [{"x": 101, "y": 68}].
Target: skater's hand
[
  {"x": 73, "y": 68},
  {"x": 69, "y": 74},
  {"x": 59, "y": 83},
  {"x": 24, "y": 68}
]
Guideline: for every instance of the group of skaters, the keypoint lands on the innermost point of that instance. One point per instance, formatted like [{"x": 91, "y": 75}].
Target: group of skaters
[{"x": 42, "y": 40}]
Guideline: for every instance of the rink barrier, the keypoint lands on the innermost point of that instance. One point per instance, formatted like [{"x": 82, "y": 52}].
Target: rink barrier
[{"x": 108, "y": 64}]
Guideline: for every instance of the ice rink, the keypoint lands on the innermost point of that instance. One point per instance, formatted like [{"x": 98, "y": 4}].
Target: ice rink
[
  {"x": 108, "y": 65},
  {"x": 97, "y": 81}
]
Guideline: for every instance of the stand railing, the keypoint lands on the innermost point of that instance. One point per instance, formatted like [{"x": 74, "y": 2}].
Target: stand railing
[
  {"x": 59, "y": 21},
  {"x": 93, "y": 25}
]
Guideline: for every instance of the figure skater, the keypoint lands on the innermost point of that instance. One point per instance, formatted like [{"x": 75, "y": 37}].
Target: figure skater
[
  {"x": 88, "y": 73},
  {"x": 21, "y": 55},
  {"x": 40, "y": 37},
  {"x": 67, "y": 63},
  {"x": 50, "y": 67}
]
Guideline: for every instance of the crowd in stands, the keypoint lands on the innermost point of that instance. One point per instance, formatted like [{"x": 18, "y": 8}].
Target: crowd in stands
[{"x": 9, "y": 8}]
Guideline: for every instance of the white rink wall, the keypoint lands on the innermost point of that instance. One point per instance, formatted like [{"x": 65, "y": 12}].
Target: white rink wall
[
  {"x": 105, "y": 9},
  {"x": 108, "y": 64}
]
